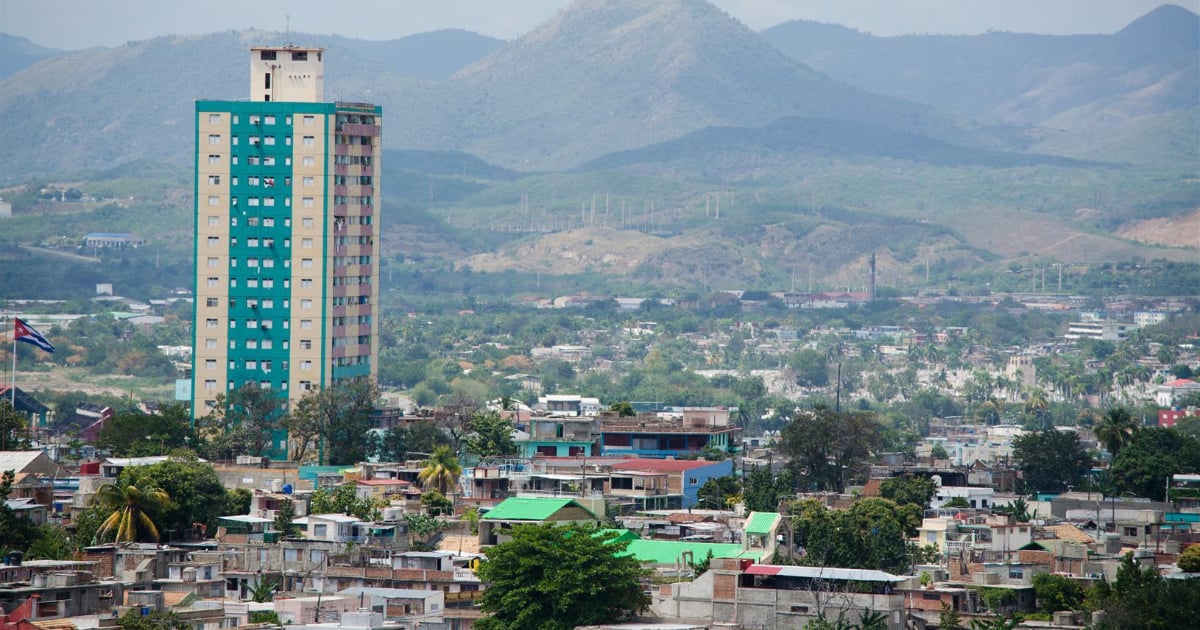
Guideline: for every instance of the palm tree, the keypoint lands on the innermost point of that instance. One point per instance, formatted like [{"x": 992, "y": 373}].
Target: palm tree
[
  {"x": 1115, "y": 429},
  {"x": 129, "y": 521},
  {"x": 441, "y": 470},
  {"x": 1037, "y": 404}
]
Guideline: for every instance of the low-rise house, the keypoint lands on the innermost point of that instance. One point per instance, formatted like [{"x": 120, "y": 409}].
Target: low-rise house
[
  {"x": 199, "y": 573},
  {"x": 399, "y": 603},
  {"x": 53, "y": 589},
  {"x": 28, "y": 509},
  {"x": 684, "y": 477},
  {"x": 737, "y": 591},
  {"x": 1167, "y": 393},
  {"x": 336, "y": 528},
  {"x": 669, "y": 435},
  {"x": 530, "y": 511},
  {"x": 381, "y": 489},
  {"x": 559, "y": 436}
]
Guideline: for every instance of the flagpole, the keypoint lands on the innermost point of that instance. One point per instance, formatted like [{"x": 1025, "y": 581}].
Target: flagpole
[{"x": 13, "y": 383}]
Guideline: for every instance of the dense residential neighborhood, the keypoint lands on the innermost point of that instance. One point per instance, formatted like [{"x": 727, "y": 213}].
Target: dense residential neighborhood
[{"x": 643, "y": 320}]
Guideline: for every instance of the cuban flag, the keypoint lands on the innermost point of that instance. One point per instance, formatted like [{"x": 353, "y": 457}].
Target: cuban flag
[{"x": 29, "y": 334}]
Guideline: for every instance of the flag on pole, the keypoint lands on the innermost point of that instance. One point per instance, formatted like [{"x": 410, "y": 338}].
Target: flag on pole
[{"x": 29, "y": 334}]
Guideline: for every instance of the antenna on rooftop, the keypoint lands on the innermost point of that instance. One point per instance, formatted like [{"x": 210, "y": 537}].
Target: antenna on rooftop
[{"x": 287, "y": 29}]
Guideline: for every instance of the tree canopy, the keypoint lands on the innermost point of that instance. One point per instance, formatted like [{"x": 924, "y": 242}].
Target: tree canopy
[
  {"x": 441, "y": 471},
  {"x": 1143, "y": 466},
  {"x": 558, "y": 578},
  {"x": 131, "y": 502},
  {"x": 916, "y": 491},
  {"x": 1051, "y": 460},
  {"x": 197, "y": 494},
  {"x": 871, "y": 534},
  {"x": 491, "y": 435},
  {"x": 342, "y": 500},
  {"x": 137, "y": 434},
  {"x": 826, "y": 447}
]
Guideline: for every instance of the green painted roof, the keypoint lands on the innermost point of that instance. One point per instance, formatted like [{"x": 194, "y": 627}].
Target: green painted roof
[
  {"x": 527, "y": 509},
  {"x": 621, "y": 534},
  {"x": 761, "y": 522},
  {"x": 668, "y": 551}
]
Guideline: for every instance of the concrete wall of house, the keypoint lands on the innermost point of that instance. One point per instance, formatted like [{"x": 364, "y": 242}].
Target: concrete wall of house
[{"x": 695, "y": 479}]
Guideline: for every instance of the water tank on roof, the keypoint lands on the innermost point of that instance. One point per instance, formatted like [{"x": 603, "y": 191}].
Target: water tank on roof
[{"x": 287, "y": 488}]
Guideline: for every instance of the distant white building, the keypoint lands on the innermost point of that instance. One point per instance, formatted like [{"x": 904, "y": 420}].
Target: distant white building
[
  {"x": 1149, "y": 318},
  {"x": 1100, "y": 330},
  {"x": 1168, "y": 393}
]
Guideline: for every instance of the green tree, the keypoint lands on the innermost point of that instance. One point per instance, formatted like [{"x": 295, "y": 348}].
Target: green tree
[
  {"x": 716, "y": 493},
  {"x": 242, "y": 423},
  {"x": 265, "y": 616},
  {"x": 263, "y": 589},
  {"x": 1051, "y": 460},
  {"x": 14, "y": 434},
  {"x": 1154, "y": 454},
  {"x": 392, "y": 445},
  {"x": 811, "y": 367},
  {"x": 869, "y": 535},
  {"x": 916, "y": 491},
  {"x": 1140, "y": 599},
  {"x": 1057, "y": 592},
  {"x": 558, "y": 578},
  {"x": 938, "y": 451},
  {"x": 424, "y": 525},
  {"x": 283, "y": 519},
  {"x": 1189, "y": 560},
  {"x": 764, "y": 490},
  {"x": 622, "y": 409},
  {"x": 52, "y": 544},
  {"x": 1018, "y": 509},
  {"x": 491, "y": 435},
  {"x": 136, "y": 434},
  {"x": 424, "y": 437},
  {"x": 825, "y": 447},
  {"x": 948, "y": 618},
  {"x": 129, "y": 501},
  {"x": 86, "y": 524},
  {"x": 342, "y": 500},
  {"x": 1115, "y": 429},
  {"x": 197, "y": 495},
  {"x": 135, "y": 620},
  {"x": 436, "y": 503},
  {"x": 441, "y": 471},
  {"x": 16, "y": 532},
  {"x": 339, "y": 416}
]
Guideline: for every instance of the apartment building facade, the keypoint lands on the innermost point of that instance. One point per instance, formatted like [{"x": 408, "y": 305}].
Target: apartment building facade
[{"x": 286, "y": 219}]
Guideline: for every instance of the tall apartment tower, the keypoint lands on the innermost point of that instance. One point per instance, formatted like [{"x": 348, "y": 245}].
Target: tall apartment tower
[{"x": 287, "y": 248}]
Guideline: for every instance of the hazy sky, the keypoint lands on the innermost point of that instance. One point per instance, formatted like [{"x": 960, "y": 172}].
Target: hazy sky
[{"x": 74, "y": 24}]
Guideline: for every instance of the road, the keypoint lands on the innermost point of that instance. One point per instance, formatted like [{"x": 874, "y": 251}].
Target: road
[{"x": 55, "y": 252}]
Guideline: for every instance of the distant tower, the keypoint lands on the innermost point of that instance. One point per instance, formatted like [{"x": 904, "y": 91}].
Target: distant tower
[
  {"x": 287, "y": 236},
  {"x": 871, "y": 294}
]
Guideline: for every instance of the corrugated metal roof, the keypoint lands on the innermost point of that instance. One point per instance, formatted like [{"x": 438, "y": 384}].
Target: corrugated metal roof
[
  {"x": 528, "y": 509},
  {"x": 825, "y": 573},
  {"x": 670, "y": 551},
  {"x": 761, "y": 522}
]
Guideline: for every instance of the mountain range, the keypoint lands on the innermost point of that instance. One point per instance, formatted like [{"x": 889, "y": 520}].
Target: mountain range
[{"x": 949, "y": 140}]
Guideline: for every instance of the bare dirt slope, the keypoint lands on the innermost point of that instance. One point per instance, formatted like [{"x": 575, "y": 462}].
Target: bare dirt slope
[{"x": 1176, "y": 232}]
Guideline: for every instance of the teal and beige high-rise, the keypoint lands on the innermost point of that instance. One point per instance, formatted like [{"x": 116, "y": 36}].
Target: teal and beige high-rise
[{"x": 287, "y": 249}]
